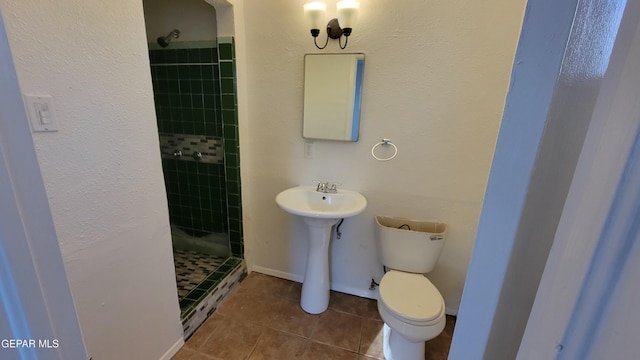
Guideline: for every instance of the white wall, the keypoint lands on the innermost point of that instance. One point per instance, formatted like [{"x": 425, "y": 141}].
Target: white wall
[
  {"x": 195, "y": 19},
  {"x": 562, "y": 55},
  {"x": 436, "y": 76},
  {"x": 37, "y": 302},
  {"x": 589, "y": 285},
  {"x": 102, "y": 170}
]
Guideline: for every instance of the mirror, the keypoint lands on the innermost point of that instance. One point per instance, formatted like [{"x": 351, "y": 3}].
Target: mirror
[{"x": 332, "y": 96}]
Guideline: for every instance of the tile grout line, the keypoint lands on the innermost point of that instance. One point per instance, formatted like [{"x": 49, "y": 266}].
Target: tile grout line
[
  {"x": 360, "y": 338},
  {"x": 306, "y": 354},
  {"x": 255, "y": 345},
  {"x": 285, "y": 296}
]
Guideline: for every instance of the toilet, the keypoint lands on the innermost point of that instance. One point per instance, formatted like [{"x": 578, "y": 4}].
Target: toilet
[{"x": 411, "y": 307}]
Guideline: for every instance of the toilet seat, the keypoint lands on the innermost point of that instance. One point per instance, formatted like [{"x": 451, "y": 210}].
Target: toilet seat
[{"x": 411, "y": 297}]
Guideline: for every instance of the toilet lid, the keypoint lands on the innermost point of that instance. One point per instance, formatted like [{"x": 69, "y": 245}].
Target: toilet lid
[{"x": 411, "y": 296}]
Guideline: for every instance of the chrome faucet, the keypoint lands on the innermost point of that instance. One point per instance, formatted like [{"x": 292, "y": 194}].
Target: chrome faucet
[{"x": 326, "y": 187}]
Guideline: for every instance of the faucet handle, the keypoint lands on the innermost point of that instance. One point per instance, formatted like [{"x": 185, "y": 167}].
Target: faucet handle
[
  {"x": 326, "y": 186},
  {"x": 322, "y": 185}
]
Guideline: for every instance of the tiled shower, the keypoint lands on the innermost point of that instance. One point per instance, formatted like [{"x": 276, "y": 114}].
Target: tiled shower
[{"x": 195, "y": 98}]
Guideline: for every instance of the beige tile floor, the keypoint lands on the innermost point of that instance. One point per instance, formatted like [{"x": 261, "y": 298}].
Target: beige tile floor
[{"x": 262, "y": 319}]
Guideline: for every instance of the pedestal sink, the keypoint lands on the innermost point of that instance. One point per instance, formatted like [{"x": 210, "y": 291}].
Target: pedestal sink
[{"x": 320, "y": 211}]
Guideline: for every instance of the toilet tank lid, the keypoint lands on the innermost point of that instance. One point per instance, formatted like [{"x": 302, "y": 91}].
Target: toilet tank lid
[{"x": 411, "y": 296}]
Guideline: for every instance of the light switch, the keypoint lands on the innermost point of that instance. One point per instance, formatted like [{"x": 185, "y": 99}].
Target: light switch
[{"x": 41, "y": 113}]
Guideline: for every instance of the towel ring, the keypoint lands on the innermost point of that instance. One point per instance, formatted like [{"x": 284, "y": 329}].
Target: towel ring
[{"x": 383, "y": 143}]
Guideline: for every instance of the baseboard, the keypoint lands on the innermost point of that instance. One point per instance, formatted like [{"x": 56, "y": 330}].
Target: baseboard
[
  {"x": 278, "y": 273},
  {"x": 369, "y": 294},
  {"x": 173, "y": 350},
  {"x": 336, "y": 287}
]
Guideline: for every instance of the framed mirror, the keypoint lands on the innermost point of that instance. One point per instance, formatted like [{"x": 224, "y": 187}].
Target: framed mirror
[{"x": 332, "y": 96}]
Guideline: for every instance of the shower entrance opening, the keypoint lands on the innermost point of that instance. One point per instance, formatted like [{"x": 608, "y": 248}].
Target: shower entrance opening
[{"x": 194, "y": 87}]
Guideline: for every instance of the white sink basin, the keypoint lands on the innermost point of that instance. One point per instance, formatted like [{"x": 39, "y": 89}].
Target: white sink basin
[
  {"x": 306, "y": 201},
  {"x": 320, "y": 212}
]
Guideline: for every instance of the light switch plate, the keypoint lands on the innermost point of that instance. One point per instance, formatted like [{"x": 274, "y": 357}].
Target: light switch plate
[
  {"x": 42, "y": 115},
  {"x": 308, "y": 149}
]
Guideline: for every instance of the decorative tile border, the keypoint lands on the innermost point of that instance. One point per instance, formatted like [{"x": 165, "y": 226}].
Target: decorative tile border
[
  {"x": 204, "y": 300},
  {"x": 175, "y": 44},
  {"x": 225, "y": 39},
  {"x": 210, "y": 147}
]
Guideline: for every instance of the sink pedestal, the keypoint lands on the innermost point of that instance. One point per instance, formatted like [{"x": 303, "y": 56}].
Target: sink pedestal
[
  {"x": 316, "y": 285},
  {"x": 320, "y": 211}
]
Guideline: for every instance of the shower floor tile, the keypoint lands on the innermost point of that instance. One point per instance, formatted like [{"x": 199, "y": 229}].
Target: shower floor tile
[{"x": 192, "y": 268}]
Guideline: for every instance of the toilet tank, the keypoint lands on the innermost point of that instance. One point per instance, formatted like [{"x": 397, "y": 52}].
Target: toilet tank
[{"x": 410, "y": 245}]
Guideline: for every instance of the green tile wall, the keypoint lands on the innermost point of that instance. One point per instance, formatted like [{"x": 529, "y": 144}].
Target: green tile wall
[
  {"x": 196, "y": 196},
  {"x": 186, "y": 85},
  {"x": 229, "y": 113},
  {"x": 195, "y": 93}
]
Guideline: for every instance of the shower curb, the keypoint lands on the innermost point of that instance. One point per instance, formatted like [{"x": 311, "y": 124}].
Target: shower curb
[{"x": 193, "y": 319}]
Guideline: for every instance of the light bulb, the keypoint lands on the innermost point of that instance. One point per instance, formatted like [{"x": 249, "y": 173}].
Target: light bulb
[
  {"x": 348, "y": 13},
  {"x": 314, "y": 12}
]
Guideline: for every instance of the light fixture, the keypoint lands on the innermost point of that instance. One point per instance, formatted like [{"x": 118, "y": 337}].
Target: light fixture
[{"x": 347, "y": 15}]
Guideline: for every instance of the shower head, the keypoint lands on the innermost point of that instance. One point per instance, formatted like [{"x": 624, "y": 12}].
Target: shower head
[{"x": 164, "y": 41}]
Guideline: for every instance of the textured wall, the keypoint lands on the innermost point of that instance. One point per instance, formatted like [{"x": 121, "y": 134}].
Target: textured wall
[
  {"x": 194, "y": 18},
  {"x": 102, "y": 170},
  {"x": 562, "y": 55},
  {"x": 436, "y": 76}
]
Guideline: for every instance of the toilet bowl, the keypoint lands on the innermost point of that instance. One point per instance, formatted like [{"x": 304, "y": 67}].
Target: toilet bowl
[
  {"x": 411, "y": 307},
  {"x": 413, "y": 312}
]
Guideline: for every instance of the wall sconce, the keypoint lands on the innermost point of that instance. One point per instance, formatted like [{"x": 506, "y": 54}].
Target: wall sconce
[{"x": 347, "y": 15}]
